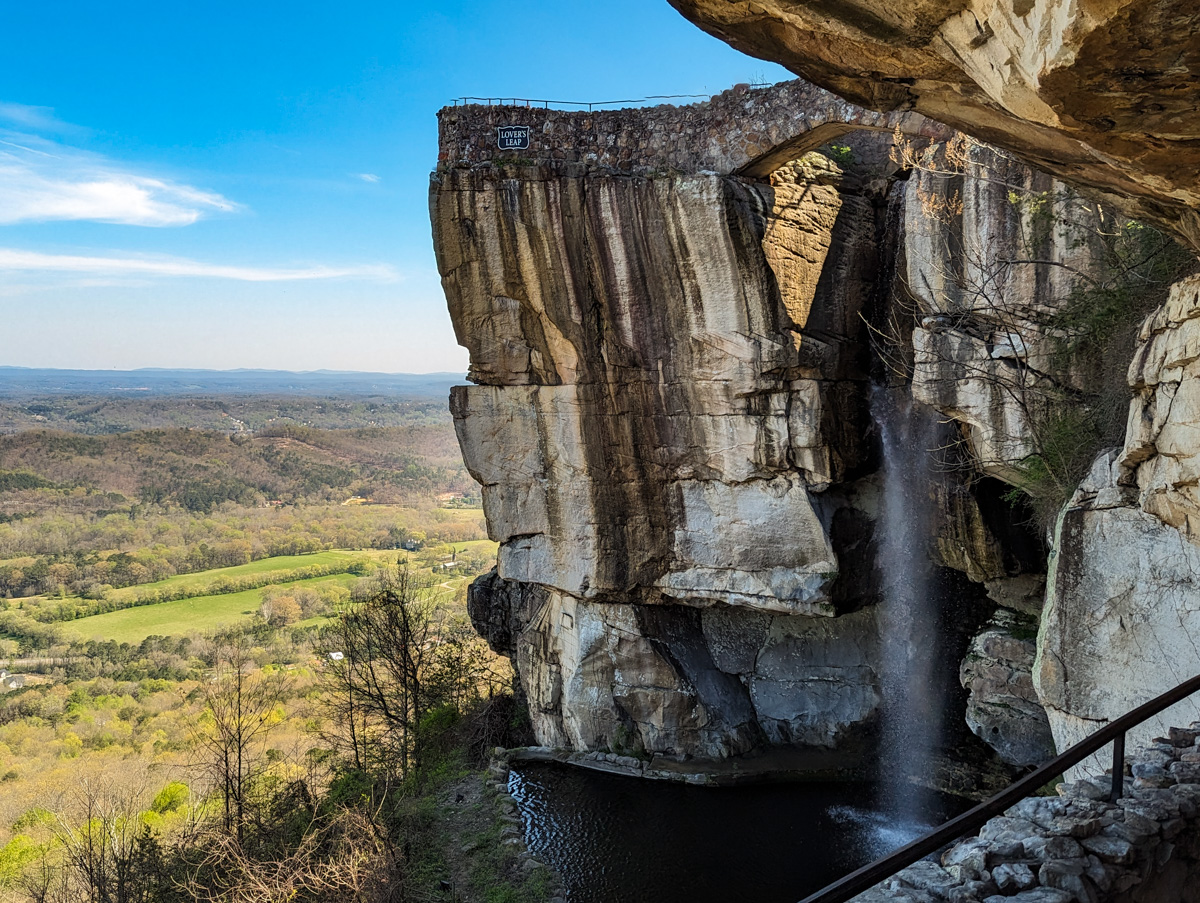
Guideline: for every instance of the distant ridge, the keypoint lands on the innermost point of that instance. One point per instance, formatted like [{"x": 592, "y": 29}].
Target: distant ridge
[{"x": 22, "y": 381}]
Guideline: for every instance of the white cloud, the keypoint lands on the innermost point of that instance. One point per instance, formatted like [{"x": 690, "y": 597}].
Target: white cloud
[
  {"x": 43, "y": 180},
  {"x": 368, "y": 177},
  {"x": 15, "y": 260},
  {"x": 41, "y": 119}
]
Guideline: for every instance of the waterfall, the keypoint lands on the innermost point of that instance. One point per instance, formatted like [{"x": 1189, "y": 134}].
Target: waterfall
[{"x": 911, "y": 707}]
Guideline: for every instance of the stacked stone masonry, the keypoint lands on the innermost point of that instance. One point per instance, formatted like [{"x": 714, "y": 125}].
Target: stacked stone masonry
[
  {"x": 1102, "y": 94},
  {"x": 734, "y": 130},
  {"x": 1079, "y": 847}
]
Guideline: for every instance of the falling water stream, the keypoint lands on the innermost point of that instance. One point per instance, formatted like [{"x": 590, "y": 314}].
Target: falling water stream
[{"x": 909, "y": 612}]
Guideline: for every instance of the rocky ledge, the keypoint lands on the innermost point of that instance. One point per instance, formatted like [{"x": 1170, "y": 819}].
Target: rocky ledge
[{"x": 1079, "y": 847}]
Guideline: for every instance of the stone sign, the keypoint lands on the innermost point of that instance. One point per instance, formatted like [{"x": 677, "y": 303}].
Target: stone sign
[{"x": 512, "y": 137}]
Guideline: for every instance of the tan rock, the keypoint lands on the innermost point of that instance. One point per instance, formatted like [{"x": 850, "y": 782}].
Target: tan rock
[{"x": 1100, "y": 93}]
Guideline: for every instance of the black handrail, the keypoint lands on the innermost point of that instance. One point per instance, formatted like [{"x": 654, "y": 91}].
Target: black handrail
[
  {"x": 546, "y": 104},
  {"x": 870, "y": 875}
]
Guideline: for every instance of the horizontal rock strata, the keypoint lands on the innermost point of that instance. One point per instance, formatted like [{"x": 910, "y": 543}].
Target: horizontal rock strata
[{"x": 669, "y": 422}]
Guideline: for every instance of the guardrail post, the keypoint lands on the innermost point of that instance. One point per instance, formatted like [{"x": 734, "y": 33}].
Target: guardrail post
[{"x": 1118, "y": 768}]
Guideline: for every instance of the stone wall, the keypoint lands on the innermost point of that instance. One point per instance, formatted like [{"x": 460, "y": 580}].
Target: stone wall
[
  {"x": 1079, "y": 847},
  {"x": 731, "y": 131}
]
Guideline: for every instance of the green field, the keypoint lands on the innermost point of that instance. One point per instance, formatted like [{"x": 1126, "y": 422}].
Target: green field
[
  {"x": 206, "y": 613},
  {"x": 200, "y": 613},
  {"x": 204, "y": 579}
]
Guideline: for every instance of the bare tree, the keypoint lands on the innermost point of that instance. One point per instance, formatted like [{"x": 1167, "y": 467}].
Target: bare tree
[
  {"x": 241, "y": 701},
  {"x": 344, "y": 857},
  {"x": 103, "y": 845},
  {"x": 380, "y": 647},
  {"x": 394, "y": 657}
]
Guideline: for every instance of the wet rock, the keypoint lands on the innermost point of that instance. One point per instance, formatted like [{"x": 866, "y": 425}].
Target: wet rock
[{"x": 1003, "y": 709}]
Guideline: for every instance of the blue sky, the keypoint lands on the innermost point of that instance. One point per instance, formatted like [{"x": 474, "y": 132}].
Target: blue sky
[{"x": 244, "y": 184}]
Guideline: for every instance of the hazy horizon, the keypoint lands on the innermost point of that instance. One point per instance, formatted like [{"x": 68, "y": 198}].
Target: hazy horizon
[{"x": 318, "y": 370}]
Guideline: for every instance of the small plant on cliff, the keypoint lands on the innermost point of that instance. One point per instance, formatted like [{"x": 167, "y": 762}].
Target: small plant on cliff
[
  {"x": 1132, "y": 267},
  {"x": 841, "y": 154}
]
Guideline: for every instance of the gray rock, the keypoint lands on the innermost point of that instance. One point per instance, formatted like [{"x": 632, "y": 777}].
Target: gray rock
[
  {"x": 1134, "y": 828},
  {"x": 962, "y": 894},
  {"x": 1086, "y": 789},
  {"x": 1068, "y": 875},
  {"x": 1034, "y": 895},
  {"x": 1163, "y": 853},
  {"x": 1002, "y": 708},
  {"x": 1101, "y": 875},
  {"x": 929, "y": 876},
  {"x": 1007, "y": 849},
  {"x": 1013, "y": 876},
  {"x": 1004, "y": 828},
  {"x": 1185, "y": 772},
  {"x": 971, "y": 891},
  {"x": 970, "y": 854},
  {"x": 1148, "y": 770},
  {"x": 1054, "y": 847},
  {"x": 1111, "y": 849}
]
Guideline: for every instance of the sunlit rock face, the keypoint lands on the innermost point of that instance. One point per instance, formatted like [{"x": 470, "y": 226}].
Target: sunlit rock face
[
  {"x": 651, "y": 416},
  {"x": 1099, "y": 93},
  {"x": 670, "y": 383},
  {"x": 669, "y": 422},
  {"x": 1122, "y": 620},
  {"x": 988, "y": 274}
]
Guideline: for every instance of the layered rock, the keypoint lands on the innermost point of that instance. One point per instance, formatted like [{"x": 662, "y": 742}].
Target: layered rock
[
  {"x": 670, "y": 383},
  {"x": 1100, "y": 93},
  {"x": 670, "y": 426},
  {"x": 1122, "y": 618},
  {"x": 994, "y": 253},
  {"x": 655, "y": 418}
]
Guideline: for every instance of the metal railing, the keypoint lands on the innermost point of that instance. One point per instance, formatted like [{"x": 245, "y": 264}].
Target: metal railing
[
  {"x": 974, "y": 819},
  {"x": 581, "y": 104}
]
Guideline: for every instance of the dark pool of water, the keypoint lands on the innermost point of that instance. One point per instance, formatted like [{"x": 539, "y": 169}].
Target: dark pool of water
[{"x": 624, "y": 840}]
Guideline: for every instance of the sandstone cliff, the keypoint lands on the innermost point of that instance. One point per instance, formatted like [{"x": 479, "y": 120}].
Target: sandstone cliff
[
  {"x": 1100, "y": 92},
  {"x": 1103, "y": 95},
  {"x": 670, "y": 419}
]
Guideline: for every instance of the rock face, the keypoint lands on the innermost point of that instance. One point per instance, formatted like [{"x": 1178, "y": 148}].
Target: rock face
[
  {"x": 670, "y": 425},
  {"x": 664, "y": 406},
  {"x": 1003, "y": 709},
  {"x": 1123, "y": 606},
  {"x": 649, "y": 392},
  {"x": 1101, "y": 93},
  {"x": 989, "y": 273}
]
